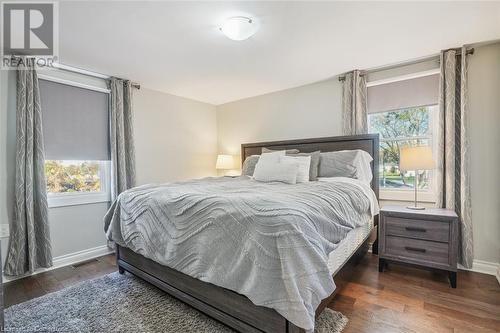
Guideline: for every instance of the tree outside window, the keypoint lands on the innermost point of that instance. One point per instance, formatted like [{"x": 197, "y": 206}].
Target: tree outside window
[
  {"x": 399, "y": 128},
  {"x": 73, "y": 176}
]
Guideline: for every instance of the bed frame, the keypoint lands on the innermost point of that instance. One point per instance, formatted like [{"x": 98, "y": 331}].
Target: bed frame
[{"x": 231, "y": 308}]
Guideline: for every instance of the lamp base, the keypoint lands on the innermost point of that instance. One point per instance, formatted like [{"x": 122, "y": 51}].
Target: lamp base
[{"x": 415, "y": 207}]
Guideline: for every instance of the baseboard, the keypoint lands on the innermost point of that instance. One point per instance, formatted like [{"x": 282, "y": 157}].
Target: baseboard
[
  {"x": 481, "y": 266},
  {"x": 68, "y": 259}
]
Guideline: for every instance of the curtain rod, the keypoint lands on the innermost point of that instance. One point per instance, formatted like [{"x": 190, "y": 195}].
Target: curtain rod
[
  {"x": 407, "y": 63},
  {"x": 89, "y": 73}
]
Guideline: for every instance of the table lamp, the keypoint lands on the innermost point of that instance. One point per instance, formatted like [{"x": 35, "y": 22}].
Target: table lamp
[
  {"x": 225, "y": 162},
  {"x": 416, "y": 158}
]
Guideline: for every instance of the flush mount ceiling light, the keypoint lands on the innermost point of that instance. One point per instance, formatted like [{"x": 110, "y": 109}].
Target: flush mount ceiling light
[{"x": 239, "y": 28}]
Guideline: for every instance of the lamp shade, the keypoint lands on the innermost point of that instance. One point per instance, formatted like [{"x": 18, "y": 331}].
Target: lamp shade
[
  {"x": 416, "y": 158},
  {"x": 225, "y": 162}
]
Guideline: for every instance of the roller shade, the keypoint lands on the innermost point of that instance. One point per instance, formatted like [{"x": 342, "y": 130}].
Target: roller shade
[
  {"x": 404, "y": 94},
  {"x": 75, "y": 122}
]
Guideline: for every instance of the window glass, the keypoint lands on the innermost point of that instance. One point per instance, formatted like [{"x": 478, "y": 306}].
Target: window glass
[
  {"x": 400, "y": 128},
  {"x": 73, "y": 176}
]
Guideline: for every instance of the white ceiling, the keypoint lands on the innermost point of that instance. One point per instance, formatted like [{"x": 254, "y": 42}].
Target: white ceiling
[{"x": 176, "y": 47}]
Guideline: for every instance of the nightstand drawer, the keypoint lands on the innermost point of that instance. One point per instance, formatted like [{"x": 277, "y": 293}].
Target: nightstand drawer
[
  {"x": 426, "y": 251},
  {"x": 420, "y": 229}
]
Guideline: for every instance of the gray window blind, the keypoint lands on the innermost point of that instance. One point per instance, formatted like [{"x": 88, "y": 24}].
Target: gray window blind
[
  {"x": 420, "y": 91},
  {"x": 75, "y": 122}
]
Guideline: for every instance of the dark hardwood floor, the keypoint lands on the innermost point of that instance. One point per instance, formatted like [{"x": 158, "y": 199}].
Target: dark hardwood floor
[
  {"x": 21, "y": 290},
  {"x": 405, "y": 299},
  {"x": 402, "y": 299}
]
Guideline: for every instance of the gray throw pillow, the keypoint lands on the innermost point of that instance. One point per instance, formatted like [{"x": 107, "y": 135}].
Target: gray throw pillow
[
  {"x": 338, "y": 164},
  {"x": 249, "y": 164},
  {"x": 288, "y": 151}
]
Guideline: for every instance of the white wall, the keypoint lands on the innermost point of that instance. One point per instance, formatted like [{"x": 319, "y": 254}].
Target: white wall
[
  {"x": 314, "y": 110},
  {"x": 484, "y": 108},
  {"x": 305, "y": 112},
  {"x": 175, "y": 139},
  {"x": 76, "y": 228},
  {"x": 7, "y": 149},
  {"x": 7, "y": 142}
]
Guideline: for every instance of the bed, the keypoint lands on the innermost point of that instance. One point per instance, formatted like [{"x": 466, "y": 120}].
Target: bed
[{"x": 235, "y": 309}]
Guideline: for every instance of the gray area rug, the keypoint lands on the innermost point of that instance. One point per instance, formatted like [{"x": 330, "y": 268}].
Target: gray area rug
[{"x": 123, "y": 303}]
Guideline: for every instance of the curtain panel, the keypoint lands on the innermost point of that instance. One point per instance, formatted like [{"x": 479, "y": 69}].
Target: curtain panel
[
  {"x": 354, "y": 116},
  {"x": 121, "y": 137},
  {"x": 453, "y": 171},
  {"x": 29, "y": 243}
]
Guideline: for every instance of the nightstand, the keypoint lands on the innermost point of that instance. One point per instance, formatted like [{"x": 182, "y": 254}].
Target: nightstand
[{"x": 427, "y": 238}]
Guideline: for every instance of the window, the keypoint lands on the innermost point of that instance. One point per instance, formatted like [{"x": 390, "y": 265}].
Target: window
[
  {"x": 403, "y": 113},
  {"x": 76, "y": 182},
  {"x": 76, "y": 139},
  {"x": 400, "y": 128}
]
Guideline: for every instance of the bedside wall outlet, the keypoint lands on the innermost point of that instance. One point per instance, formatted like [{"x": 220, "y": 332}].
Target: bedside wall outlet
[{"x": 4, "y": 230}]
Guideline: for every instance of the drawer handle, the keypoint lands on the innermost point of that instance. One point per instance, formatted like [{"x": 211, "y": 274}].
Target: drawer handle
[
  {"x": 415, "y": 229},
  {"x": 415, "y": 249}
]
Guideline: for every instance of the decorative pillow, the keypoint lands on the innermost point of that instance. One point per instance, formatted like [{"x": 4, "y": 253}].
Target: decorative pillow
[
  {"x": 276, "y": 172},
  {"x": 346, "y": 163},
  {"x": 268, "y": 159},
  {"x": 250, "y": 162},
  {"x": 248, "y": 167},
  {"x": 288, "y": 151},
  {"x": 303, "y": 163},
  {"x": 313, "y": 169}
]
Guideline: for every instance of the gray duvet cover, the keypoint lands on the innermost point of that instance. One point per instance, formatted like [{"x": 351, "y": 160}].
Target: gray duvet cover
[{"x": 267, "y": 241}]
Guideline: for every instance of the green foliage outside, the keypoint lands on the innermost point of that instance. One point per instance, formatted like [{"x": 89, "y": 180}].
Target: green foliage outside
[
  {"x": 74, "y": 176},
  {"x": 397, "y": 129}
]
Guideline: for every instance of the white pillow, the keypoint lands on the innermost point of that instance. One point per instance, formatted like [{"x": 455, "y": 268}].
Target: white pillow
[
  {"x": 277, "y": 172},
  {"x": 268, "y": 159},
  {"x": 303, "y": 163}
]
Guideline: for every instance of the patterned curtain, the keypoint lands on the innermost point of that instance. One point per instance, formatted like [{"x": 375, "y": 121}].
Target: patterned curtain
[
  {"x": 29, "y": 243},
  {"x": 122, "y": 138},
  {"x": 354, "y": 117},
  {"x": 453, "y": 171}
]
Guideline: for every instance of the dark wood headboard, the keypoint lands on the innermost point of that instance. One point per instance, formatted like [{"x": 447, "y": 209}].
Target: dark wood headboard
[{"x": 366, "y": 142}]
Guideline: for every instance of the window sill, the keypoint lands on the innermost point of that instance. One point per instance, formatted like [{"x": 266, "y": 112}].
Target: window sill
[
  {"x": 407, "y": 195},
  {"x": 75, "y": 199}
]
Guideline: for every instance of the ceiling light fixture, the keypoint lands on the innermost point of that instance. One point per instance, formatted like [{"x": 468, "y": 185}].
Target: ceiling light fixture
[{"x": 239, "y": 28}]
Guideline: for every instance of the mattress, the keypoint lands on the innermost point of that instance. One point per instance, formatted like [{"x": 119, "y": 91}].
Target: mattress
[{"x": 338, "y": 257}]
